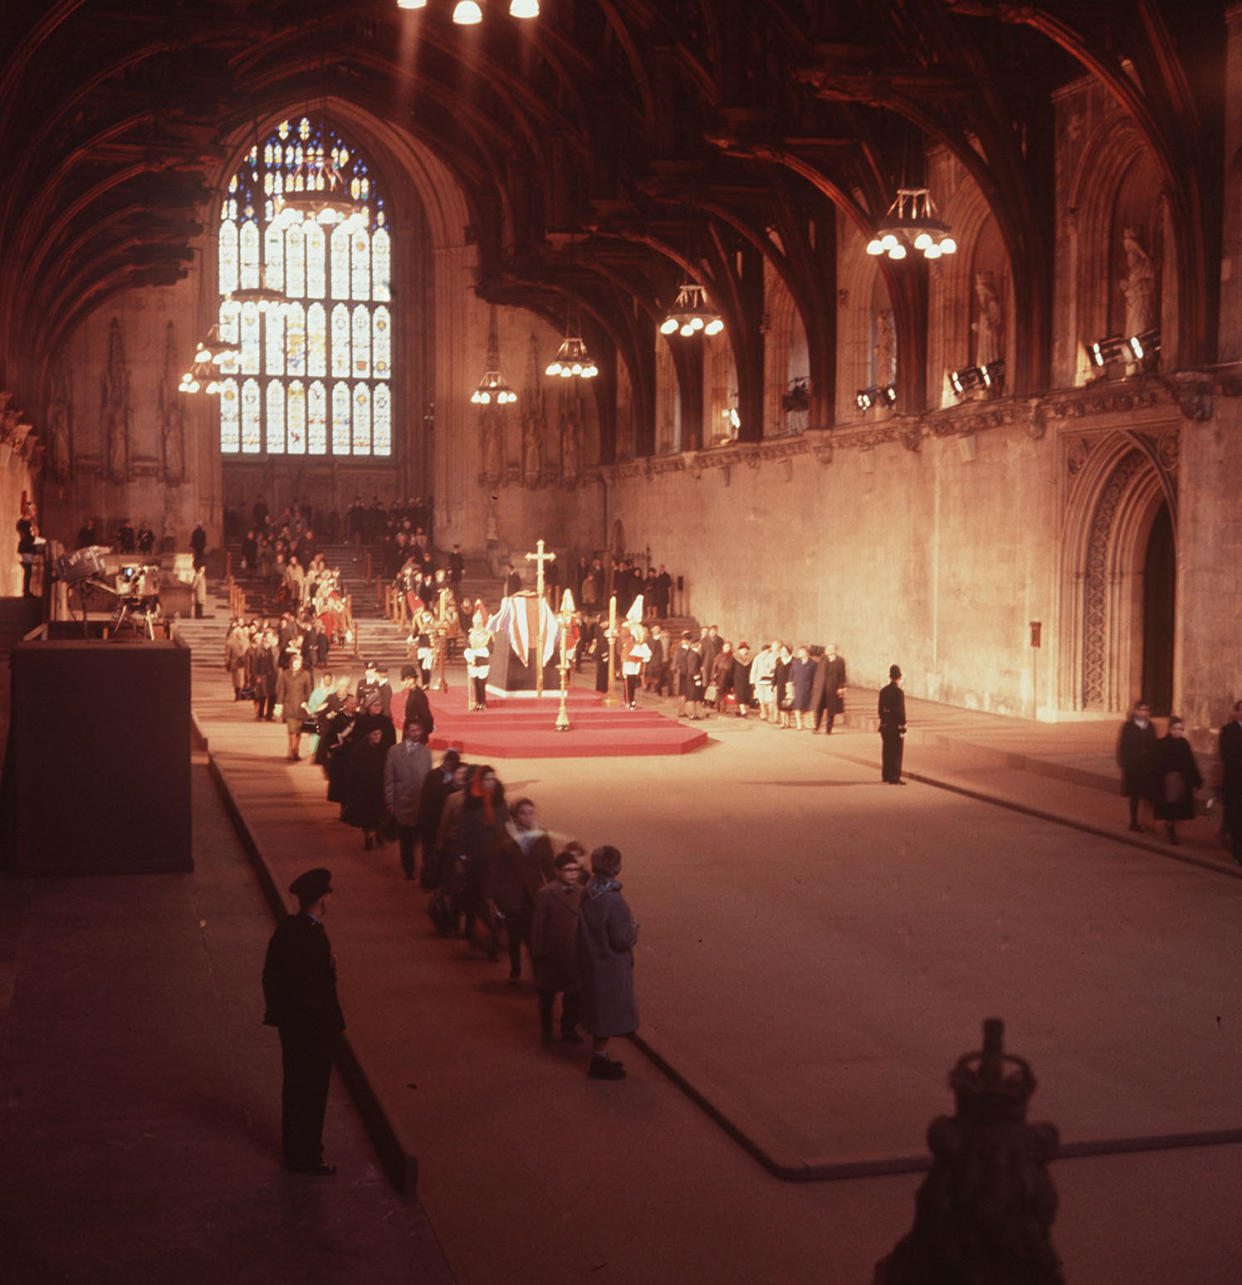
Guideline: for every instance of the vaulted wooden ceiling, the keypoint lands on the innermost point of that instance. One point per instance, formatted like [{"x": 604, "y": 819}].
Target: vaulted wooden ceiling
[{"x": 605, "y": 150}]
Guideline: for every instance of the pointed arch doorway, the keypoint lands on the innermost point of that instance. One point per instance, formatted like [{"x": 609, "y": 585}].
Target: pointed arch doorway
[{"x": 1120, "y": 581}]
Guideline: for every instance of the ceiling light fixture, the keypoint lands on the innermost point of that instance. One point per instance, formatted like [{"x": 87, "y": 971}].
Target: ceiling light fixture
[
  {"x": 524, "y": 8},
  {"x": 691, "y": 314},
  {"x": 467, "y": 13},
  {"x": 492, "y": 387},
  {"x": 573, "y": 360},
  {"x": 912, "y": 224}
]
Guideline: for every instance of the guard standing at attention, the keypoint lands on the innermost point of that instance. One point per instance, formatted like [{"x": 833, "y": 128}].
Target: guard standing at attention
[
  {"x": 299, "y": 989},
  {"x": 892, "y": 711}
]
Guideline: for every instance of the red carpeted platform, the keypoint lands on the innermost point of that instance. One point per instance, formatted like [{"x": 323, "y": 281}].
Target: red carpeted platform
[{"x": 525, "y": 727}]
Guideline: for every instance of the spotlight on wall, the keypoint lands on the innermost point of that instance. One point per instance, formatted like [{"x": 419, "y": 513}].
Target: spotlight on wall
[
  {"x": 989, "y": 377},
  {"x": 1137, "y": 350},
  {"x": 883, "y": 395}
]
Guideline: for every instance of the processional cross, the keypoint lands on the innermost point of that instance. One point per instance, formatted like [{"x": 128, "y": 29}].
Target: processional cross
[{"x": 539, "y": 557}]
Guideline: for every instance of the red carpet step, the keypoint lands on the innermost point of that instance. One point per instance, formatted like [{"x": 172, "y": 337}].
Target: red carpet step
[{"x": 525, "y": 727}]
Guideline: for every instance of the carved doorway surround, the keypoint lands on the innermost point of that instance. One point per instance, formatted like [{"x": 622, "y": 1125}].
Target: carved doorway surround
[{"x": 1119, "y": 533}]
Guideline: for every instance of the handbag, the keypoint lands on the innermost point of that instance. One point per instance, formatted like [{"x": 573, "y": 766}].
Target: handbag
[
  {"x": 310, "y": 725},
  {"x": 710, "y": 693}
]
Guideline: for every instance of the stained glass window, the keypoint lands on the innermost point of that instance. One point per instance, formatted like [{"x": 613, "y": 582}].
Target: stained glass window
[
  {"x": 297, "y": 418},
  {"x": 275, "y": 417},
  {"x": 317, "y": 420},
  {"x": 251, "y": 418},
  {"x": 362, "y": 342},
  {"x": 342, "y": 442},
  {"x": 362, "y": 420},
  {"x": 340, "y": 342},
  {"x": 230, "y": 422},
  {"x": 316, "y": 370},
  {"x": 316, "y": 340}
]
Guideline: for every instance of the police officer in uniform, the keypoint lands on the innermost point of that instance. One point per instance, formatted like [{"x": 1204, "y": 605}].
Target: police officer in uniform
[
  {"x": 892, "y": 712},
  {"x": 299, "y": 989}
]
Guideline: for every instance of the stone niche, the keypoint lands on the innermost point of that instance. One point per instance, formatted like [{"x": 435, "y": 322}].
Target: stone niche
[{"x": 98, "y": 767}]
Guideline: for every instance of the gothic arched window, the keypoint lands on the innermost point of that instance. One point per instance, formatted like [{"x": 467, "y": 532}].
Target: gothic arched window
[{"x": 313, "y": 374}]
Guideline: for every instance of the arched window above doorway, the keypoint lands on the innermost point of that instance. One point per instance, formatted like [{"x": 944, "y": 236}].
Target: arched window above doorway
[{"x": 314, "y": 373}]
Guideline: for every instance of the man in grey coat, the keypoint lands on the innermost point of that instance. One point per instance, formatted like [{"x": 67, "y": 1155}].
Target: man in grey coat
[
  {"x": 405, "y": 768},
  {"x": 606, "y": 936}
]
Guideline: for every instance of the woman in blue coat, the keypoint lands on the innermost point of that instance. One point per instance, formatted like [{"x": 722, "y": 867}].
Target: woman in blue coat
[{"x": 606, "y": 936}]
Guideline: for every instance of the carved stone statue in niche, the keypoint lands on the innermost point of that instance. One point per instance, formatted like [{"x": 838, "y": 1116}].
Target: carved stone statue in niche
[
  {"x": 172, "y": 424},
  {"x": 989, "y": 325},
  {"x": 114, "y": 409},
  {"x": 571, "y": 450},
  {"x": 884, "y": 351},
  {"x": 493, "y": 454},
  {"x": 59, "y": 421},
  {"x": 1138, "y": 285},
  {"x": 532, "y": 449}
]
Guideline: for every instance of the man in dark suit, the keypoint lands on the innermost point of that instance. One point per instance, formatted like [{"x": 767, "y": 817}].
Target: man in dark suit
[
  {"x": 1136, "y": 756},
  {"x": 299, "y": 990},
  {"x": 828, "y": 689},
  {"x": 892, "y": 711},
  {"x": 1231, "y": 778},
  {"x": 456, "y": 566},
  {"x": 513, "y": 581}
]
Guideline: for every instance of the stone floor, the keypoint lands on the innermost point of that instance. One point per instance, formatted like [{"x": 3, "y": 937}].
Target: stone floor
[{"x": 817, "y": 948}]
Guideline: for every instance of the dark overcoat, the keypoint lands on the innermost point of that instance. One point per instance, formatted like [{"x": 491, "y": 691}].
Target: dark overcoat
[
  {"x": 1136, "y": 752},
  {"x": 299, "y": 980},
  {"x": 554, "y": 937},
  {"x": 1175, "y": 778},
  {"x": 606, "y": 936},
  {"x": 364, "y": 785}
]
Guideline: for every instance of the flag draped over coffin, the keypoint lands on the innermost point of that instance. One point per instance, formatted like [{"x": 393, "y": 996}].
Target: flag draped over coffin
[{"x": 518, "y": 620}]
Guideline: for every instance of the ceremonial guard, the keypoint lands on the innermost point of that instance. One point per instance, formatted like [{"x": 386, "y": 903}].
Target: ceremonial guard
[
  {"x": 299, "y": 991},
  {"x": 422, "y": 643},
  {"x": 636, "y": 654},
  {"x": 478, "y": 656}
]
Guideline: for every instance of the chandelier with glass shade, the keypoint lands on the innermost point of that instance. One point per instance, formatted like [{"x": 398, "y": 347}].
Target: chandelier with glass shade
[
  {"x": 573, "y": 359},
  {"x": 210, "y": 355},
  {"x": 493, "y": 389},
  {"x": 912, "y": 224},
  {"x": 691, "y": 314},
  {"x": 468, "y": 13},
  {"x": 317, "y": 193}
]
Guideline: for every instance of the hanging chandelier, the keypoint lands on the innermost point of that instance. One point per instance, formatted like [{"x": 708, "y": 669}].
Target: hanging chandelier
[
  {"x": 209, "y": 355},
  {"x": 493, "y": 387},
  {"x": 691, "y": 314},
  {"x": 912, "y": 223},
  {"x": 263, "y": 297},
  {"x": 572, "y": 360},
  {"x": 316, "y": 193},
  {"x": 467, "y": 13}
]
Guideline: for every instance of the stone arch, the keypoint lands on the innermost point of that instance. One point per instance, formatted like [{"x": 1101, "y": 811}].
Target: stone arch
[
  {"x": 786, "y": 358},
  {"x": 860, "y": 285},
  {"x": 980, "y": 248},
  {"x": 1103, "y": 185},
  {"x": 1119, "y": 490}
]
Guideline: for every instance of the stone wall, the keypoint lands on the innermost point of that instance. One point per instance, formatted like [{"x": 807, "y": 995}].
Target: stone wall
[{"x": 935, "y": 557}]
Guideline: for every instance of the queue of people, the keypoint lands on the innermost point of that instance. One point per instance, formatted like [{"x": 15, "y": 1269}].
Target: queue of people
[{"x": 494, "y": 875}]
